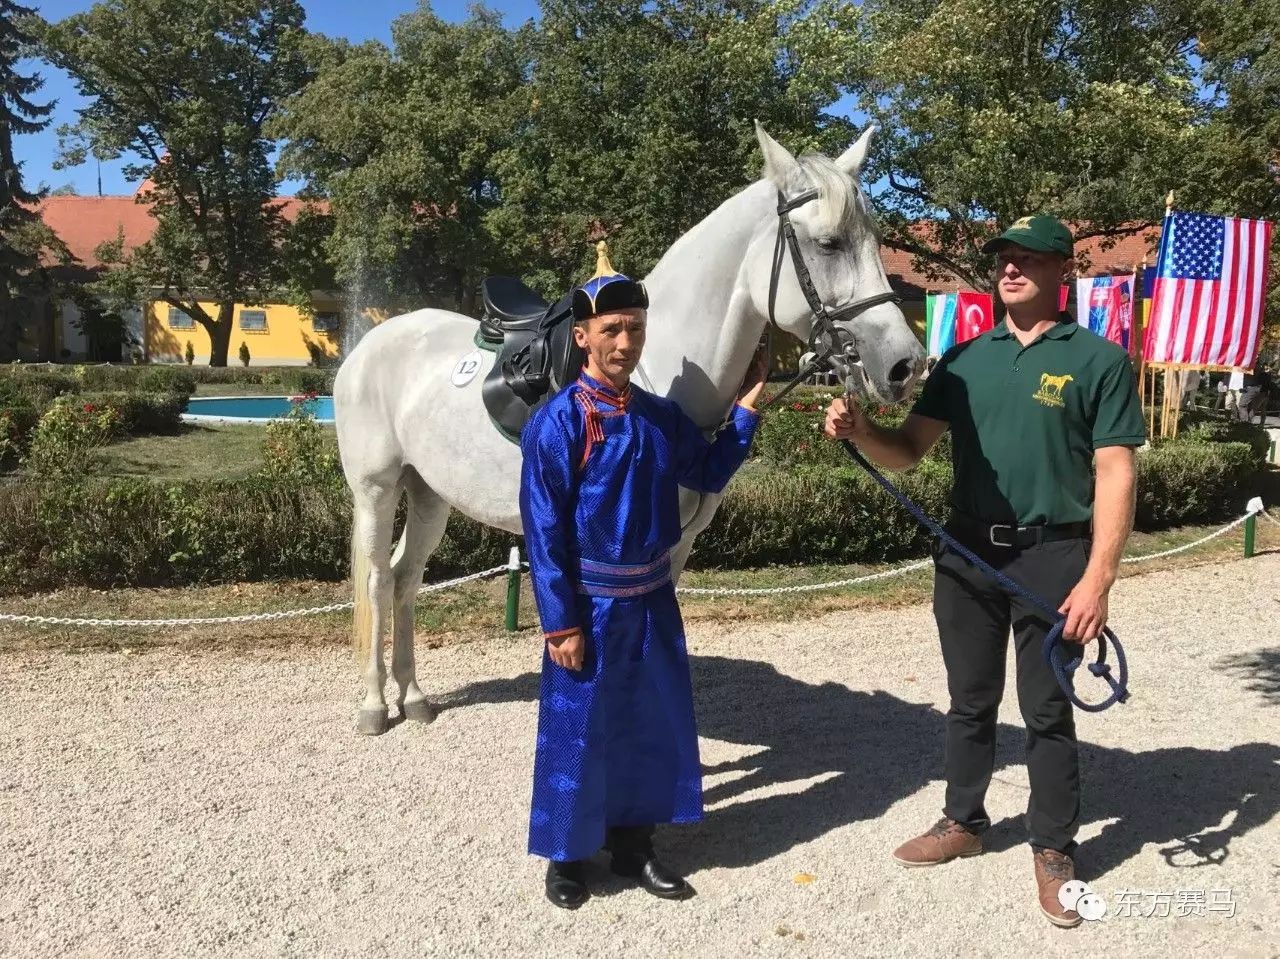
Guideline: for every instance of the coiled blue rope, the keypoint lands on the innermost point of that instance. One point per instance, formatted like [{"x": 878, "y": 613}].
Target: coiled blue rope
[{"x": 1055, "y": 653}]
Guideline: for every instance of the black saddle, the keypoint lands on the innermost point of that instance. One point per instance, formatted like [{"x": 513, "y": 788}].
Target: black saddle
[
  {"x": 537, "y": 356},
  {"x": 509, "y": 307}
]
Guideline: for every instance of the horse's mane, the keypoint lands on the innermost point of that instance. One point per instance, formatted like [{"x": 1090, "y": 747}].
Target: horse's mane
[{"x": 839, "y": 198}]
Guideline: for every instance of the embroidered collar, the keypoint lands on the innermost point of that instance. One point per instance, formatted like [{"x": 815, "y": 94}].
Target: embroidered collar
[
  {"x": 604, "y": 393},
  {"x": 591, "y": 392}
]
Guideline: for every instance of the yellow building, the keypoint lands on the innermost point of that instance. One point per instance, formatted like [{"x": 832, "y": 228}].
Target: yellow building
[{"x": 275, "y": 334}]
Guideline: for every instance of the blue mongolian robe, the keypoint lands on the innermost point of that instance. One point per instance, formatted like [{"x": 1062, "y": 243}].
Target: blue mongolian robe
[{"x": 617, "y": 744}]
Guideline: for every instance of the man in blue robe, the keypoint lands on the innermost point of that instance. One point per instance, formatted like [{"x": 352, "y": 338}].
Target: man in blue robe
[{"x": 617, "y": 747}]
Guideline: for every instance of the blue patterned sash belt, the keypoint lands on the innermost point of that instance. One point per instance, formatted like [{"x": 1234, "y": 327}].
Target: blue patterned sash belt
[{"x": 617, "y": 581}]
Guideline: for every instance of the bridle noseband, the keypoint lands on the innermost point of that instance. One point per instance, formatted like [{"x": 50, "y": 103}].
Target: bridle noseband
[{"x": 826, "y": 339}]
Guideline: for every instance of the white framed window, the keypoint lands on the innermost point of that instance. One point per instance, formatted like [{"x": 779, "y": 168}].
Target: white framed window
[
  {"x": 253, "y": 321},
  {"x": 180, "y": 319},
  {"x": 326, "y": 322}
]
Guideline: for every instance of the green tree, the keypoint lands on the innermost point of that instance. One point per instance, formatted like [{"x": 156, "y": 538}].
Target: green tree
[
  {"x": 640, "y": 121},
  {"x": 990, "y": 111},
  {"x": 22, "y": 234},
  {"x": 185, "y": 89},
  {"x": 401, "y": 143},
  {"x": 1237, "y": 170}
]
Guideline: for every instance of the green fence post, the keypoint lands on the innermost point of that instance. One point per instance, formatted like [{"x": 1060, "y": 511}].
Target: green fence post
[
  {"x": 513, "y": 590},
  {"x": 1252, "y": 508}
]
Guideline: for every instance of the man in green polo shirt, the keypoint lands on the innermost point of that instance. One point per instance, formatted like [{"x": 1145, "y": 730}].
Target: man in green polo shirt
[{"x": 1044, "y": 419}]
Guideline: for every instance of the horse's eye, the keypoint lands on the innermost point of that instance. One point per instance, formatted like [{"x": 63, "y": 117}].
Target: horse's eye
[{"x": 829, "y": 243}]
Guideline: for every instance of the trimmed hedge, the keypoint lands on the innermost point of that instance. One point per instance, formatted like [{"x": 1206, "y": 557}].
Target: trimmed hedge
[
  {"x": 165, "y": 379},
  {"x": 142, "y": 414},
  {"x": 815, "y": 515},
  {"x": 1189, "y": 481},
  {"x": 105, "y": 376},
  {"x": 1215, "y": 428},
  {"x": 140, "y": 533},
  {"x": 35, "y": 387}
]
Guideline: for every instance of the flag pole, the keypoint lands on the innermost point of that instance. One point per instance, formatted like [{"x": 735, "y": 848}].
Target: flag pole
[
  {"x": 928, "y": 322},
  {"x": 1168, "y": 371},
  {"x": 1137, "y": 330}
]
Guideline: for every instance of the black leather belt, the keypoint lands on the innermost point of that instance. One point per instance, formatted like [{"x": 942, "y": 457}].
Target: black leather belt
[{"x": 972, "y": 529}]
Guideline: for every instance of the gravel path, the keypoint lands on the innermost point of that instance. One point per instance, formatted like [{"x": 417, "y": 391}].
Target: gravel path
[{"x": 180, "y": 803}]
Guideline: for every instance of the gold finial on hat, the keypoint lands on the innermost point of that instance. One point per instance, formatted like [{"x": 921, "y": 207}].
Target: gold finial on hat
[{"x": 603, "y": 266}]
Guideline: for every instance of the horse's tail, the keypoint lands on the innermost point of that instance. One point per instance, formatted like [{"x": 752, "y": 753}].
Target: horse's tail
[{"x": 362, "y": 615}]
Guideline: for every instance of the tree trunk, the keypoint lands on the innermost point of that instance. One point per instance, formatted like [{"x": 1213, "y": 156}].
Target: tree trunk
[
  {"x": 464, "y": 293},
  {"x": 220, "y": 335},
  {"x": 10, "y": 328}
]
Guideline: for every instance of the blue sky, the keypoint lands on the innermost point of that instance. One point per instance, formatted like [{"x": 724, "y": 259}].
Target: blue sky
[
  {"x": 369, "y": 19},
  {"x": 357, "y": 21}
]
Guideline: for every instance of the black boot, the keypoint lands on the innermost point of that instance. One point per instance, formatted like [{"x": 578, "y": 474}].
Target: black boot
[
  {"x": 567, "y": 884},
  {"x": 632, "y": 854}
]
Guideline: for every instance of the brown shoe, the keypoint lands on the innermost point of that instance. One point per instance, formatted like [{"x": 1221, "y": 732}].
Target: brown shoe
[
  {"x": 1053, "y": 871},
  {"x": 945, "y": 840}
]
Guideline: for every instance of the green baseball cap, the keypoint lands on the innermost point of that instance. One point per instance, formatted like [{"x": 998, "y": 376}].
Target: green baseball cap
[{"x": 1045, "y": 234}]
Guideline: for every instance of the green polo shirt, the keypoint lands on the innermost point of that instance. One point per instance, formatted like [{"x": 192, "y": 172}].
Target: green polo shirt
[{"x": 1025, "y": 420}]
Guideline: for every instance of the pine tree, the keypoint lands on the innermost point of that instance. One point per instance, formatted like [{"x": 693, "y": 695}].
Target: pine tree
[{"x": 19, "y": 223}]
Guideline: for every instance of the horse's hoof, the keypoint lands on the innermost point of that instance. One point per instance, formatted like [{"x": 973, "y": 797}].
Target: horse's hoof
[
  {"x": 419, "y": 711},
  {"x": 372, "y": 722}
]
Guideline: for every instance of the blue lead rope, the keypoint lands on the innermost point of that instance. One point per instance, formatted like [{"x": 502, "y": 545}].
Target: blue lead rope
[{"x": 1055, "y": 653}]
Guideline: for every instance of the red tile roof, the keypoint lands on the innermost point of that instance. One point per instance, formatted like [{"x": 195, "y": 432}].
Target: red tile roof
[
  {"x": 86, "y": 222},
  {"x": 1120, "y": 255}
]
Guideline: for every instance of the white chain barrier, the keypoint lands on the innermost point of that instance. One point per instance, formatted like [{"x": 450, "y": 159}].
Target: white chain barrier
[
  {"x": 807, "y": 588},
  {"x": 222, "y": 620},
  {"x": 1255, "y": 508}
]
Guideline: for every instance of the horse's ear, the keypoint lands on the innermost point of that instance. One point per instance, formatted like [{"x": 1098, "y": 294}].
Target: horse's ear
[
  {"x": 779, "y": 164},
  {"x": 852, "y": 159}
]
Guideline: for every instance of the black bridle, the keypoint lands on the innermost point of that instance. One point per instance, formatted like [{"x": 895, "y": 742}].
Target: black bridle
[{"x": 826, "y": 339}]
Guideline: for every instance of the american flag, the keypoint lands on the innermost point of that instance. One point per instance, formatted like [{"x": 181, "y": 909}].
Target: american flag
[{"x": 1210, "y": 285}]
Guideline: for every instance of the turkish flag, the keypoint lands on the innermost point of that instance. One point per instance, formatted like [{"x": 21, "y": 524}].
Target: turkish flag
[{"x": 975, "y": 314}]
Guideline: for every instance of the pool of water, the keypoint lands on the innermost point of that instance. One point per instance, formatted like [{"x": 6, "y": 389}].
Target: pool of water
[{"x": 251, "y": 409}]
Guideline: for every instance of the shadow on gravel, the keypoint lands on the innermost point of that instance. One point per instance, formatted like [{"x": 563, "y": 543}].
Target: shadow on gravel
[
  {"x": 1260, "y": 669},
  {"x": 842, "y": 756}
]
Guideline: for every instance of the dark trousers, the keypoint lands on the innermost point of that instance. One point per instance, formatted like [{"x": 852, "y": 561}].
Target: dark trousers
[
  {"x": 974, "y": 620},
  {"x": 629, "y": 840}
]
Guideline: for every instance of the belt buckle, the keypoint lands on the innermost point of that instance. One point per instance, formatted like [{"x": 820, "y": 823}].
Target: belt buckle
[{"x": 991, "y": 535}]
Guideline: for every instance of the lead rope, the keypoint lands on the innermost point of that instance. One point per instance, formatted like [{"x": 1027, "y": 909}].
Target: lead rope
[{"x": 1063, "y": 668}]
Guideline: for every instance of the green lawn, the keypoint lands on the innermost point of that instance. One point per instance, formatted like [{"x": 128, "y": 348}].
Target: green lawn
[{"x": 198, "y": 452}]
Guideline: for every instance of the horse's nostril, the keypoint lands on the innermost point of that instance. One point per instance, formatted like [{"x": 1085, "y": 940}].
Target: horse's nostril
[{"x": 901, "y": 372}]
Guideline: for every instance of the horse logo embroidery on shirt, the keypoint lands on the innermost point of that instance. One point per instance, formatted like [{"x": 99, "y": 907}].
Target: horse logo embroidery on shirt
[{"x": 1051, "y": 387}]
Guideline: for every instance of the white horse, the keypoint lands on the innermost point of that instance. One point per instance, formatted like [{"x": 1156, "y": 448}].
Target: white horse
[{"x": 410, "y": 420}]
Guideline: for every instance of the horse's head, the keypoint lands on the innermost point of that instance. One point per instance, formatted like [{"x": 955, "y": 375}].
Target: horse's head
[{"x": 838, "y": 243}]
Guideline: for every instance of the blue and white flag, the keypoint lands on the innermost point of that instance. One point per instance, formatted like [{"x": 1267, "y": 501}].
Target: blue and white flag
[
  {"x": 1104, "y": 304},
  {"x": 940, "y": 322}
]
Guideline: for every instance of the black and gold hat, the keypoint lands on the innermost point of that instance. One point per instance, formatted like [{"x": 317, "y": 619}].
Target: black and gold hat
[{"x": 608, "y": 290}]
